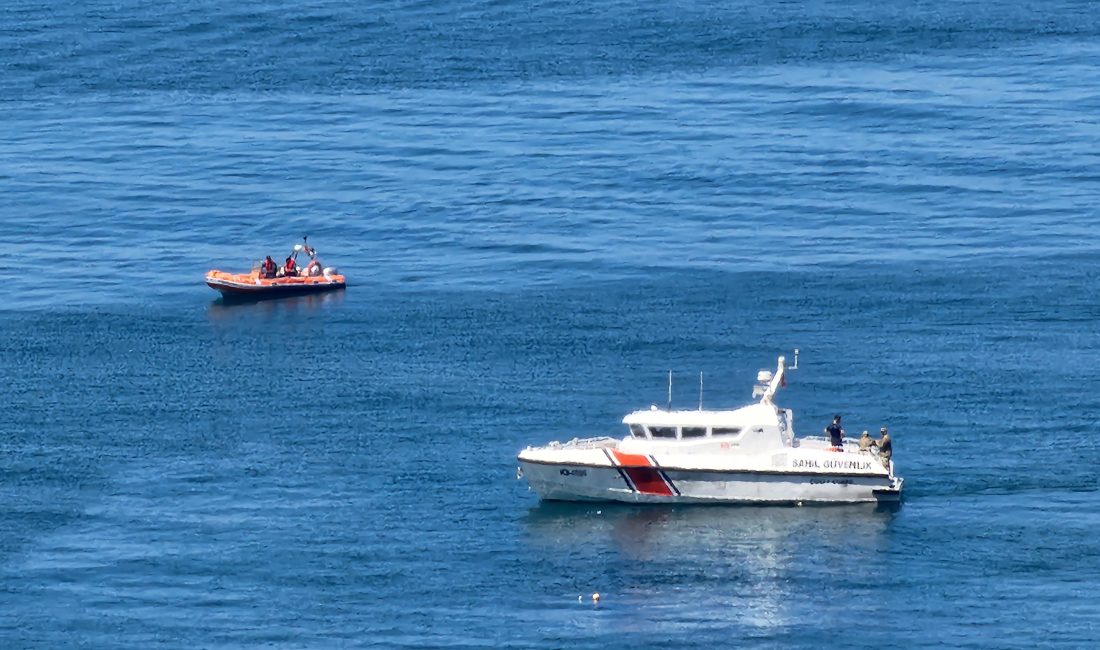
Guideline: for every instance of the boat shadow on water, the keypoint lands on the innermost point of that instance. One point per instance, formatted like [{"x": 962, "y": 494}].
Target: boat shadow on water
[{"x": 232, "y": 308}]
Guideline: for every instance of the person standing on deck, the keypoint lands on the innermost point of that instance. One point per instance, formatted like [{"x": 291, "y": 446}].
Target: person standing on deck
[
  {"x": 885, "y": 447},
  {"x": 836, "y": 434}
]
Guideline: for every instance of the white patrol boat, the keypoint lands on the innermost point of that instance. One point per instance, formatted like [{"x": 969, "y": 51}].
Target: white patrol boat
[{"x": 745, "y": 455}]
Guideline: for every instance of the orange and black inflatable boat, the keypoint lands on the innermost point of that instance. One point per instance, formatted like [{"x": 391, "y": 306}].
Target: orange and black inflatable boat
[
  {"x": 251, "y": 285},
  {"x": 290, "y": 280}
]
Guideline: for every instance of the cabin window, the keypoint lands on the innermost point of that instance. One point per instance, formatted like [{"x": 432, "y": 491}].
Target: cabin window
[
  {"x": 693, "y": 432},
  {"x": 637, "y": 430},
  {"x": 663, "y": 432},
  {"x": 725, "y": 431}
]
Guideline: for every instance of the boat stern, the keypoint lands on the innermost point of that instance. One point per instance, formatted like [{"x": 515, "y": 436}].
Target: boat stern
[{"x": 890, "y": 493}]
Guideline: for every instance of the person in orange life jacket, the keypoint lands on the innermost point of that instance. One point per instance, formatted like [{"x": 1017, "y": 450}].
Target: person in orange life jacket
[
  {"x": 290, "y": 269},
  {"x": 836, "y": 434},
  {"x": 268, "y": 268}
]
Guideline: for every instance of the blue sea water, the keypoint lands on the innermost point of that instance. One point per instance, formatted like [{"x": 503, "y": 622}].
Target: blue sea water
[{"x": 541, "y": 209}]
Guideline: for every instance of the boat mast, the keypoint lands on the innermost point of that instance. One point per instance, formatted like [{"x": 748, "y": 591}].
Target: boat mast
[
  {"x": 776, "y": 382},
  {"x": 777, "y": 378}
]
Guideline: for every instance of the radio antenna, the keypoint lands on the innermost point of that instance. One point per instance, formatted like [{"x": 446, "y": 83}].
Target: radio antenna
[
  {"x": 700, "y": 390},
  {"x": 669, "y": 391}
]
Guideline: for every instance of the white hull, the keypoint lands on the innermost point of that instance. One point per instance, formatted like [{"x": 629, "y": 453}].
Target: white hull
[{"x": 571, "y": 482}]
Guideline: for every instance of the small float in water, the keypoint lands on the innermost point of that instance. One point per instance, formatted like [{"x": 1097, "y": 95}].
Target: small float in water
[
  {"x": 745, "y": 455},
  {"x": 270, "y": 280}
]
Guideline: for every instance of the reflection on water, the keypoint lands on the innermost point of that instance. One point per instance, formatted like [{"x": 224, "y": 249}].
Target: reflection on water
[
  {"x": 704, "y": 566},
  {"x": 245, "y": 308},
  {"x": 643, "y": 530}
]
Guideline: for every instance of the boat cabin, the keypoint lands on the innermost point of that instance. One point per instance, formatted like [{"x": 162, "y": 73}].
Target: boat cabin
[{"x": 757, "y": 426}]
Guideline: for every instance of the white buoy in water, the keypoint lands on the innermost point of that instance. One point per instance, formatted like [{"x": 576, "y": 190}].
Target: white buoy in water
[{"x": 596, "y": 597}]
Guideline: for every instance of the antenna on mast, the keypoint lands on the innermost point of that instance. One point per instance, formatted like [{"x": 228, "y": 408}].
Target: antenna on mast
[
  {"x": 795, "y": 366},
  {"x": 700, "y": 390},
  {"x": 669, "y": 391}
]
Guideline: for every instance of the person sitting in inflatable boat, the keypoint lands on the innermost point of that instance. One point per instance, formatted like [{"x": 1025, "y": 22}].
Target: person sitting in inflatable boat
[
  {"x": 290, "y": 269},
  {"x": 268, "y": 269}
]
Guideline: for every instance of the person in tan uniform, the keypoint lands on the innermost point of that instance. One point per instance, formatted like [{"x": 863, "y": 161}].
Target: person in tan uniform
[
  {"x": 866, "y": 441},
  {"x": 885, "y": 446}
]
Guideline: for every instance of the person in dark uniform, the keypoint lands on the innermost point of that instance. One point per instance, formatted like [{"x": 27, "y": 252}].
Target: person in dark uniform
[
  {"x": 885, "y": 446},
  {"x": 835, "y": 433}
]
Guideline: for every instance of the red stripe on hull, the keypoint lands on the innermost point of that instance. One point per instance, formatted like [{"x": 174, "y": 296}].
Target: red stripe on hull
[
  {"x": 631, "y": 460},
  {"x": 648, "y": 480}
]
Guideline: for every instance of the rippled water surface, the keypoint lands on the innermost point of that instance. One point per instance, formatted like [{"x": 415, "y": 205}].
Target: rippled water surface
[{"x": 542, "y": 209}]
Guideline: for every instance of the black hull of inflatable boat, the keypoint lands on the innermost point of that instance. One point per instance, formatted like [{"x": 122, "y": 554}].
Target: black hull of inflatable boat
[{"x": 231, "y": 293}]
